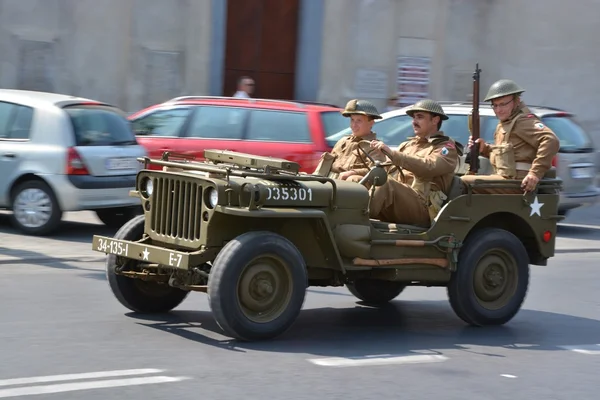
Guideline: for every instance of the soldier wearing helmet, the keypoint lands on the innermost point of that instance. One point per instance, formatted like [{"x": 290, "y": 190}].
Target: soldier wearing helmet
[
  {"x": 346, "y": 161},
  {"x": 523, "y": 146},
  {"x": 426, "y": 165}
]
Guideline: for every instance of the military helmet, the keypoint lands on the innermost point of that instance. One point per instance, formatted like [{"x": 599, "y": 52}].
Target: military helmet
[
  {"x": 363, "y": 107},
  {"x": 429, "y": 106},
  {"x": 502, "y": 88}
]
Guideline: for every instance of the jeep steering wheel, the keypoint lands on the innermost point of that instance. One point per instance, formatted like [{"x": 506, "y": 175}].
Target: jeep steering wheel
[{"x": 377, "y": 164}]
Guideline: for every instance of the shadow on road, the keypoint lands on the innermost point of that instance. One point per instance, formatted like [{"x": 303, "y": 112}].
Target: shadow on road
[{"x": 398, "y": 328}]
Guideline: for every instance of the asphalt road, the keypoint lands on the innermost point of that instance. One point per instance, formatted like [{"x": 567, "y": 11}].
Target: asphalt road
[{"x": 63, "y": 336}]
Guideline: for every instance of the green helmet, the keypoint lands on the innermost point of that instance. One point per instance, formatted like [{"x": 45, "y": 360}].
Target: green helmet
[
  {"x": 361, "y": 107},
  {"x": 429, "y": 106},
  {"x": 501, "y": 88}
]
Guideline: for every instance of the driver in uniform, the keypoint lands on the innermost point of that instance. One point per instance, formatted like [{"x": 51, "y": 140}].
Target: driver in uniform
[
  {"x": 346, "y": 161},
  {"x": 415, "y": 194}
]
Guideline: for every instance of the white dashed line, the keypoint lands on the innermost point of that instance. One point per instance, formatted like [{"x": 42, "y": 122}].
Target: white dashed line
[
  {"x": 591, "y": 349},
  {"x": 508, "y": 376},
  {"x": 377, "y": 360},
  {"x": 91, "y": 384}
]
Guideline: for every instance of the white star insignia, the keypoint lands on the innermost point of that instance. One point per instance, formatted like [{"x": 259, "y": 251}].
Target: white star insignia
[
  {"x": 535, "y": 207},
  {"x": 146, "y": 253}
]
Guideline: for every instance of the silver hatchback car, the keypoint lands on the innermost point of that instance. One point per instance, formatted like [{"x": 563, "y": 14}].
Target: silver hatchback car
[
  {"x": 62, "y": 153},
  {"x": 576, "y": 162}
]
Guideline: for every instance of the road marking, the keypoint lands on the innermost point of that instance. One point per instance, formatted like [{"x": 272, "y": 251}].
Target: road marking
[
  {"x": 508, "y": 376},
  {"x": 593, "y": 349},
  {"x": 72, "y": 377},
  {"x": 70, "y": 387},
  {"x": 377, "y": 360}
]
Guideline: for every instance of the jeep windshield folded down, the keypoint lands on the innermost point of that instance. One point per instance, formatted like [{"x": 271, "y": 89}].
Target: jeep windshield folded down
[{"x": 253, "y": 233}]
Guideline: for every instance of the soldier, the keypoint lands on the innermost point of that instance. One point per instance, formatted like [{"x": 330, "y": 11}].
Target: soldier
[
  {"x": 346, "y": 161},
  {"x": 428, "y": 161},
  {"x": 523, "y": 146}
]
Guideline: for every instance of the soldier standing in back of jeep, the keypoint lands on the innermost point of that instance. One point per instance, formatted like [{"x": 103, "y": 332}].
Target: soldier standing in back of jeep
[
  {"x": 346, "y": 161},
  {"x": 427, "y": 162},
  {"x": 523, "y": 146}
]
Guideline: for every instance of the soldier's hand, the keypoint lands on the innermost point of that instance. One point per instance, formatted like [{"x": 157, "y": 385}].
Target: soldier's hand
[
  {"x": 379, "y": 145},
  {"x": 529, "y": 182},
  {"x": 346, "y": 174},
  {"x": 479, "y": 140}
]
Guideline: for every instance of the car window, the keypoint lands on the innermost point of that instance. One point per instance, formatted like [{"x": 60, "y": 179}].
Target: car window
[
  {"x": 15, "y": 121},
  {"x": 100, "y": 126},
  {"x": 161, "y": 122},
  {"x": 333, "y": 122},
  {"x": 217, "y": 123},
  {"x": 278, "y": 126},
  {"x": 571, "y": 135}
]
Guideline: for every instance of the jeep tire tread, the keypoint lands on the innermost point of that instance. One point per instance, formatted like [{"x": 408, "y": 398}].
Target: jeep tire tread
[
  {"x": 257, "y": 285},
  {"x": 492, "y": 278},
  {"x": 135, "y": 294}
]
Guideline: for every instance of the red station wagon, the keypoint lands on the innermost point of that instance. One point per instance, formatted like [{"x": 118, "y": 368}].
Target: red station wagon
[{"x": 188, "y": 125}]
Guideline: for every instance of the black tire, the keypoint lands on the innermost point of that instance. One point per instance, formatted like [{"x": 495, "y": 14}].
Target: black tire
[
  {"x": 51, "y": 224},
  {"x": 135, "y": 294},
  {"x": 489, "y": 255},
  {"x": 376, "y": 292},
  {"x": 117, "y": 217},
  {"x": 233, "y": 289}
]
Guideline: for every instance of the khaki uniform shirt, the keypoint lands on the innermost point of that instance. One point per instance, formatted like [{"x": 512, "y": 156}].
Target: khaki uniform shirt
[
  {"x": 349, "y": 157},
  {"x": 533, "y": 142},
  {"x": 432, "y": 159}
]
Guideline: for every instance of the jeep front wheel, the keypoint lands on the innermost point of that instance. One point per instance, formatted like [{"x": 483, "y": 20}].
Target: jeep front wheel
[
  {"x": 492, "y": 278},
  {"x": 135, "y": 294},
  {"x": 374, "y": 291},
  {"x": 257, "y": 286}
]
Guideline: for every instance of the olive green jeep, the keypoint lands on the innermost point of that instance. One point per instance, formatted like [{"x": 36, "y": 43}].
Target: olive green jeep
[{"x": 253, "y": 233}]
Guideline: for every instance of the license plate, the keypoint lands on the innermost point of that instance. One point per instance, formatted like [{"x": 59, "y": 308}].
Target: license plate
[
  {"x": 141, "y": 252},
  {"x": 121, "y": 163},
  {"x": 582, "y": 173}
]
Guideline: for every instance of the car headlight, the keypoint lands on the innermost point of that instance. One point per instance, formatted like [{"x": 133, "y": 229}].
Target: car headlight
[
  {"x": 212, "y": 196},
  {"x": 147, "y": 187}
]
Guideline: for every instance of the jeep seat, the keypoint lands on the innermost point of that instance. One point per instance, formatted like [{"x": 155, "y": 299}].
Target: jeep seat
[{"x": 457, "y": 188}]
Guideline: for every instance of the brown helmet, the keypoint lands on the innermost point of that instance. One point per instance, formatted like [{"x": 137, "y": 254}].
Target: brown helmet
[
  {"x": 363, "y": 107},
  {"x": 429, "y": 106}
]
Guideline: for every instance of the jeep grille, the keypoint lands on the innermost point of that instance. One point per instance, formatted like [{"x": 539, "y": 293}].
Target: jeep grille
[{"x": 176, "y": 208}]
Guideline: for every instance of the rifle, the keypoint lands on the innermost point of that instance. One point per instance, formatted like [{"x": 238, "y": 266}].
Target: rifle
[{"x": 474, "y": 125}]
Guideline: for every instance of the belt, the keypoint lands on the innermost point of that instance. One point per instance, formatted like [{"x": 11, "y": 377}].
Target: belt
[{"x": 521, "y": 166}]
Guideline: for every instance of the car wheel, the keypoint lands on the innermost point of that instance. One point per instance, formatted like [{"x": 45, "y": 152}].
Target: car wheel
[
  {"x": 136, "y": 294},
  {"x": 35, "y": 210},
  {"x": 491, "y": 280},
  {"x": 257, "y": 286}
]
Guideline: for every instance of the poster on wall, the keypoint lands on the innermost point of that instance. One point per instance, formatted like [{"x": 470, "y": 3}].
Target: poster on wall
[{"x": 413, "y": 79}]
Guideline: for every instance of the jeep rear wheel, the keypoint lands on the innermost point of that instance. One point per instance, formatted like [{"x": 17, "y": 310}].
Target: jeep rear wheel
[
  {"x": 257, "y": 286},
  {"x": 492, "y": 278},
  {"x": 374, "y": 291},
  {"x": 135, "y": 294}
]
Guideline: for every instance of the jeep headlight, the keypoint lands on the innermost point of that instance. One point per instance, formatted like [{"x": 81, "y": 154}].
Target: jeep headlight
[
  {"x": 212, "y": 197},
  {"x": 147, "y": 187}
]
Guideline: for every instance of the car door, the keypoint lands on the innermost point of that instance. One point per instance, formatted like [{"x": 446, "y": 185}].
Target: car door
[
  {"x": 160, "y": 130},
  {"x": 15, "y": 124},
  {"x": 280, "y": 134},
  {"x": 214, "y": 127},
  {"x": 576, "y": 164}
]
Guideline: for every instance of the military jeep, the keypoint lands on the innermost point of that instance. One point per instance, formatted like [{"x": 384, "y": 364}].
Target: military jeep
[{"x": 253, "y": 233}]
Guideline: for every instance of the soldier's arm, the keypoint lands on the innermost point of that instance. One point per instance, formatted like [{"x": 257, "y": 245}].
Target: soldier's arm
[
  {"x": 542, "y": 139},
  {"x": 442, "y": 160}
]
